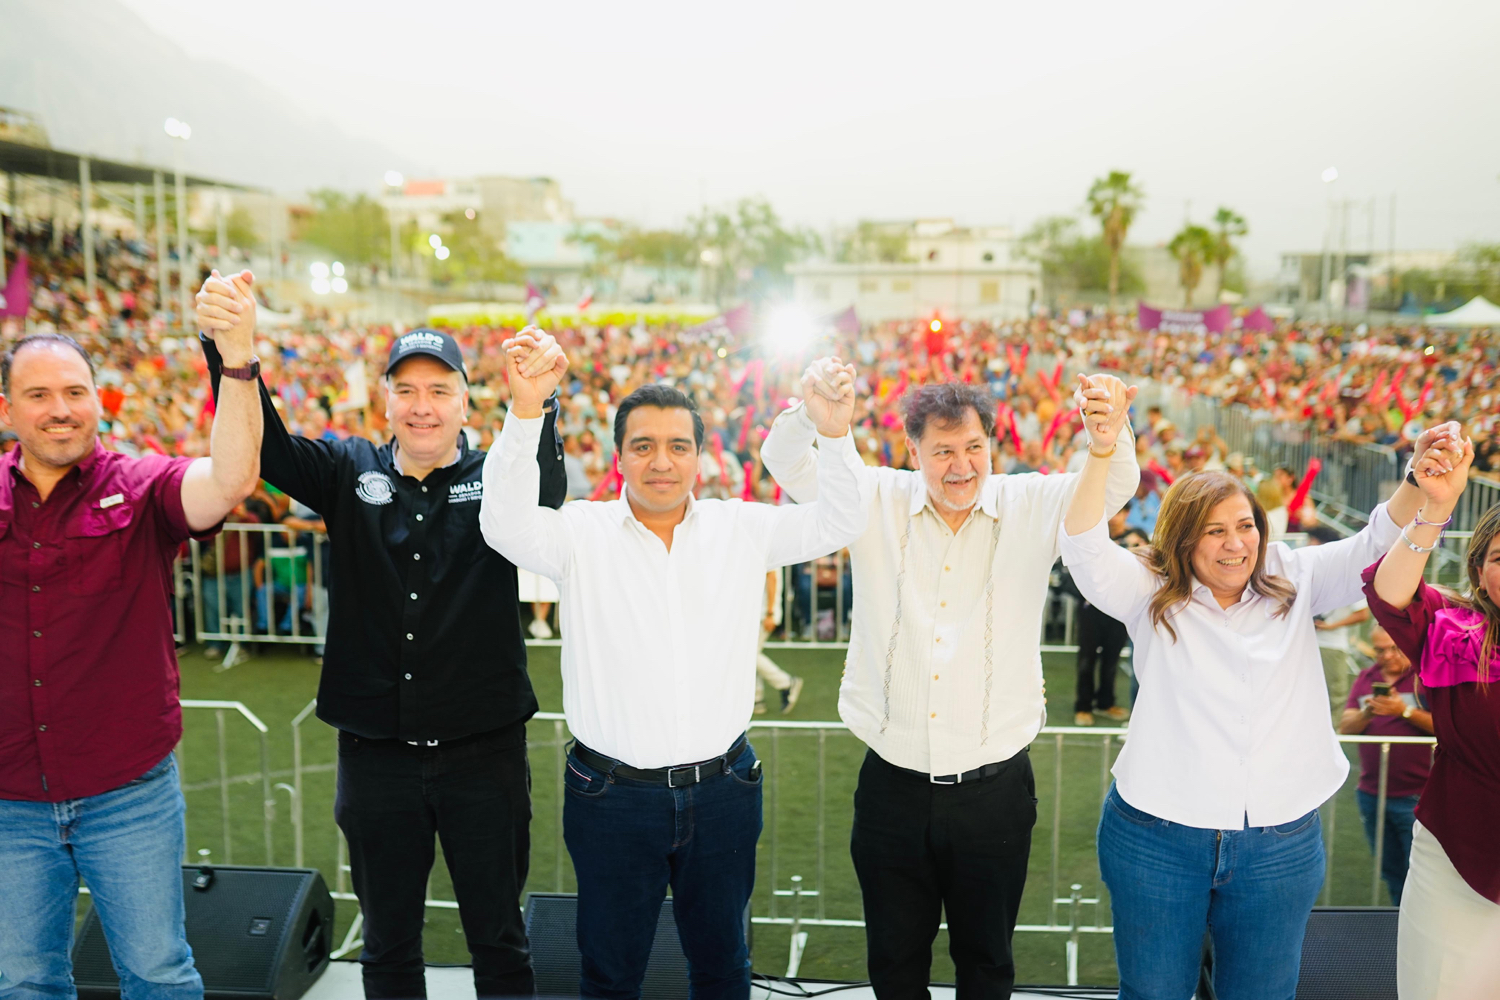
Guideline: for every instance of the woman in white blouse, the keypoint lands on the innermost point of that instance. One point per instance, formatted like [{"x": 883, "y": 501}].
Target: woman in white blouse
[{"x": 1213, "y": 820}]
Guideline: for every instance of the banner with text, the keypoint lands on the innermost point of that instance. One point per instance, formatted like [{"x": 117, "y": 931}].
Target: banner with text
[{"x": 1216, "y": 320}]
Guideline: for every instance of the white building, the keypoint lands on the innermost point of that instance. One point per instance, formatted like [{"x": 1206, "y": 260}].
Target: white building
[{"x": 976, "y": 273}]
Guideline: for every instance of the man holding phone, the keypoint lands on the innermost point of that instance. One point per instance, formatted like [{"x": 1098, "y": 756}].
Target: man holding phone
[{"x": 1384, "y": 701}]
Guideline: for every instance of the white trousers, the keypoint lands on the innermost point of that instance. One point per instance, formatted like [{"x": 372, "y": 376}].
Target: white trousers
[
  {"x": 1448, "y": 940},
  {"x": 766, "y": 671}
]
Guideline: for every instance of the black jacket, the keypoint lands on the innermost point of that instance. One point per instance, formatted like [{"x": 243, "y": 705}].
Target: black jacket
[{"x": 424, "y": 629}]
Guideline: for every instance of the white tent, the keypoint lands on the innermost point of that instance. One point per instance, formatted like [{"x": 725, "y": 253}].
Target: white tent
[{"x": 1478, "y": 311}]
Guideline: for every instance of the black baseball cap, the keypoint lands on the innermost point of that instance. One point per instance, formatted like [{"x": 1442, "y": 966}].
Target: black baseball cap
[{"x": 433, "y": 343}]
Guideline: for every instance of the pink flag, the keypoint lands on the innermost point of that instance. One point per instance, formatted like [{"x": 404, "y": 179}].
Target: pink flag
[
  {"x": 535, "y": 302},
  {"x": 15, "y": 300},
  {"x": 586, "y": 301}
]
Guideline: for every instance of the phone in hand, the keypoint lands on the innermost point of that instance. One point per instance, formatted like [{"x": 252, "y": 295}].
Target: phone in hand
[{"x": 1380, "y": 689}]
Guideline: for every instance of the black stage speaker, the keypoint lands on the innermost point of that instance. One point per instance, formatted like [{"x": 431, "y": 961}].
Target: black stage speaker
[
  {"x": 551, "y": 924},
  {"x": 1349, "y": 951},
  {"x": 256, "y": 934}
]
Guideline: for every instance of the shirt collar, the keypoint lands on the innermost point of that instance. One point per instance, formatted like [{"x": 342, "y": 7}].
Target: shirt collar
[
  {"x": 458, "y": 453},
  {"x": 989, "y": 495},
  {"x": 627, "y": 515},
  {"x": 1246, "y": 595},
  {"x": 12, "y": 460}
]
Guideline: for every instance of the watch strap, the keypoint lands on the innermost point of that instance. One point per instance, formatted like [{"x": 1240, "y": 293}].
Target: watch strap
[{"x": 249, "y": 373}]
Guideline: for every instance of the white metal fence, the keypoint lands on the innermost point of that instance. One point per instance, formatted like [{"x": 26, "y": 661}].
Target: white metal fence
[{"x": 804, "y": 859}]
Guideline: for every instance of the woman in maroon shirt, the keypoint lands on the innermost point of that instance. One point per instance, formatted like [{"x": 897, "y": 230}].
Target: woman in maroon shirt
[{"x": 1451, "y": 905}]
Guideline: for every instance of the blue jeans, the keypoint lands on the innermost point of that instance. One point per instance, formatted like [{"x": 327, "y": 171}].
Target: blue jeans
[
  {"x": 1252, "y": 889},
  {"x": 127, "y": 844},
  {"x": 265, "y": 599},
  {"x": 1400, "y": 814},
  {"x": 234, "y": 604},
  {"x": 629, "y": 840}
]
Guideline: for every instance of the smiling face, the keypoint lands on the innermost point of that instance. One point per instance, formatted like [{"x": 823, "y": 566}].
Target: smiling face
[
  {"x": 53, "y": 406},
  {"x": 954, "y": 459},
  {"x": 1224, "y": 557},
  {"x": 659, "y": 457},
  {"x": 426, "y": 402}
]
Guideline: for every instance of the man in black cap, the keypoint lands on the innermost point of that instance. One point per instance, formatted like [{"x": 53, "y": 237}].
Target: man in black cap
[{"x": 424, "y": 673}]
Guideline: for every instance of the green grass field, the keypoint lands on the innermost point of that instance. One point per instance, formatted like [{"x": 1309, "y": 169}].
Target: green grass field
[{"x": 278, "y": 684}]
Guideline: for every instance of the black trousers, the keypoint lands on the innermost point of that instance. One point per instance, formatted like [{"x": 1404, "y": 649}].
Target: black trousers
[
  {"x": 475, "y": 796},
  {"x": 1100, "y": 640},
  {"x": 920, "y": 849}
]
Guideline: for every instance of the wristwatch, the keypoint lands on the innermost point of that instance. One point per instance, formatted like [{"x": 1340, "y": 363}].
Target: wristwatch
[{"x": 249, "y": 373}]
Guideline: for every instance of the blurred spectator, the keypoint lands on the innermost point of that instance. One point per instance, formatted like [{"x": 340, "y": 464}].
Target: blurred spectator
[
  {"x": 1336, "y": 632},
  {"x": 1384, "y": 701}
]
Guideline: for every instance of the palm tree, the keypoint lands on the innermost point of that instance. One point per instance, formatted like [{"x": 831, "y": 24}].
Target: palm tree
[
  {"x": 1231, "y": 225},
  {"x": 1114, "y": 200},
  {"x": 1193, "y": 246}
]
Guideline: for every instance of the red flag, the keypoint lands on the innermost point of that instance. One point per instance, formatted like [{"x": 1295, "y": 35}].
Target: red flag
[
  {"x": 1160, "y": 470},
  {"x": 609, "y": 486},
  {"x": 1314, "y": 466},
  {"x": 749, "y": 491},
  {"x": 15, "y": 299},
  {"x": 586, "y": 301}
]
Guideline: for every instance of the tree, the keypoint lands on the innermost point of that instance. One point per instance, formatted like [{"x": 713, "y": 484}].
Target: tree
[
  {"x": 875, "y": 243},
  {"x": 748, "y": 248},
  {"x": 1228, "y": 227},
  {"x": 353, "y": 229},
  {"x": 1193, "y": 246},
  {"x": 1114, "y": 200},
  {"x": 1073, "y": 262}
]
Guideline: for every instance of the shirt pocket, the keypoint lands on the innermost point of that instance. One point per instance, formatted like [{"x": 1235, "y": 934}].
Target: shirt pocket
[{"x": 94, "y": 547}]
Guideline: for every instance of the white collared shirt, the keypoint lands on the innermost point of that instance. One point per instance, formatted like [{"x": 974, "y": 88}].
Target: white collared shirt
[
  {"x": 1232, "y": 723},
  {"x": 944, "y": 671},
  {"x": 659, "y": 647}
]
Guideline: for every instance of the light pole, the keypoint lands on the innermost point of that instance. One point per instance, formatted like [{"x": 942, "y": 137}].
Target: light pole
[
  {"x": 181, "y": 130},
  {"x": 1329, "y": 177},
  {"x": 393, "y": 181}
]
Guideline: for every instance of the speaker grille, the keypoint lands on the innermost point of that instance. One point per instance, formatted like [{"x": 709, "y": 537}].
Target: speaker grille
[
  {"x": 1349, "y": 952},
  {"x": 551, "y": 924}
]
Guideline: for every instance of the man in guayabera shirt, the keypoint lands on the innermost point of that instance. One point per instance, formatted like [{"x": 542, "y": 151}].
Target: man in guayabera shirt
[
  {"x": 88, "y": 678},
  {"x": 424, "y": 668}
]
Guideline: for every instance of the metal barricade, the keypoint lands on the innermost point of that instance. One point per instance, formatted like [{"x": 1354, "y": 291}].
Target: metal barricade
[
  {"x": 221, "y": 710},
  {"x": 806, "y": 885}
]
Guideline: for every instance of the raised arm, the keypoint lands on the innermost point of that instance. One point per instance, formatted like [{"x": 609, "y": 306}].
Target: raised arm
[
  {"x": 296, "y": 466},
  {"x": 530, "y": 534},
  {"x": 788, "y": 449},
  {"x": 1441, "y": 475},
  {"x": 805, "y": 531},
  {"x": 213, "y": 486},
  {"x": 1105, "y": 402},
  {"x": 1334, "y": 568}
]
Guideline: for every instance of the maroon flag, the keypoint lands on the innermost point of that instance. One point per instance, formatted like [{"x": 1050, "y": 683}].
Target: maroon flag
[
  {"x": 1257, "y": 320},
  {"x": 845, "y": 322},
  {"x": 535, "y": 302},
  {"x": 1214, "y": 320},
  {"x": 15, "y": 300}
]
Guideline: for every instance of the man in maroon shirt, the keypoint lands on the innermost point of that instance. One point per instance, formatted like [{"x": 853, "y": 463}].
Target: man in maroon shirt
[{"x": 88, "y": 680}]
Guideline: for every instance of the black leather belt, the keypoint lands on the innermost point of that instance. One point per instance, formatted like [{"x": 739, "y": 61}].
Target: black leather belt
[
  {"x": 987, "y": 771},
  {"x": 672, "y": 777}
]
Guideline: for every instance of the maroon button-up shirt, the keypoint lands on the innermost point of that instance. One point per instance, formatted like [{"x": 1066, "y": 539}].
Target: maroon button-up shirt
[{"x": 88, "y": 673}]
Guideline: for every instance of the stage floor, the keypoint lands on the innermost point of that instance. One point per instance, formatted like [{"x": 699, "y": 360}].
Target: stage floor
[{"x": 342, "y": 982}]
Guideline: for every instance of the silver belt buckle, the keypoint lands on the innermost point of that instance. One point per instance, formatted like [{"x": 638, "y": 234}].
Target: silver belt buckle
[
  {"x": 697, "y": 774},
  {"x": 939, "y": 781},
  {"x": 419, "y": 743}
]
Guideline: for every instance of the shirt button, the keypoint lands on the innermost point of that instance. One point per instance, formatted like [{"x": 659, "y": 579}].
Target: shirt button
[
  {"x": 36, "y": 634},
  {"x": 41, "y": 729},
  {"x": 36, "y": 545},
  {"x": 424, "y": 489},
  {"x": 947, "y": 569},
  {"x": 934, "y": 715},
  {"x": 409, "y": 636},
  {"x": 408, "y": 676},
  {"x": 37, "y": 682},
  {"x": 35, "y": 505},
  {"x": 942, "y": 604},
  {"x": 939, "y": 638},
  {"x": 417, "y": 556},
  {"x": 419, "y": 517},
  {"x": 36, "y": 590},
  {"x": 934, "y": 676},
  {"x": 414, "y": 597}
]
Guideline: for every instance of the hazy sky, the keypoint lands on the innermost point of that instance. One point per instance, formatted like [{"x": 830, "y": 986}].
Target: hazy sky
[{"x": 990, "y": 113}]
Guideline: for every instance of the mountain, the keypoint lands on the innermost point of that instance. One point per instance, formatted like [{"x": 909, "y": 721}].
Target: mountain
[{"x": 103, "y": 82}]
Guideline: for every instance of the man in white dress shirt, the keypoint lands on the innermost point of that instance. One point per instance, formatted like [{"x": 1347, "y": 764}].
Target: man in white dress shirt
[
  {"x": 660, "y": 607},
  {"x": 943, "y": 680}
]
